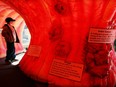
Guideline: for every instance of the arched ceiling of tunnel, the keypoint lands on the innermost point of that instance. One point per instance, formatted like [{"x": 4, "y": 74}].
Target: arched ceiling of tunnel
[
  {"x": 96, "y": 13},
  {"x": 99, "y": 17},
  {"x": 7, "y": 11}
]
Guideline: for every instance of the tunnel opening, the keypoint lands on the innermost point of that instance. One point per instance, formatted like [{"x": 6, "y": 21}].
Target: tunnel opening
[{"x": 21, "y": 29}]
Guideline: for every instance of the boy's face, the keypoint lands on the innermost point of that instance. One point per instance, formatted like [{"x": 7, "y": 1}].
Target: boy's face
[{"x": 11, "y": 22}]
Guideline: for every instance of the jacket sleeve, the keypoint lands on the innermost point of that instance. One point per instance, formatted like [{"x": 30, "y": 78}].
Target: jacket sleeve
[{"x": 6, "y": 34}]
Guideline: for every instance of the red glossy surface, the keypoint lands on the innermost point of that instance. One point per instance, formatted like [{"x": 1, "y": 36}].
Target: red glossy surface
[{"x": 60, "y": 29}]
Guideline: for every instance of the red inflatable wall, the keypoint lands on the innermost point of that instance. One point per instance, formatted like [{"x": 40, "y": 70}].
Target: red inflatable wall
[
  {"x": 59, "y": 52},
  {"x": 6, "y": 11}
]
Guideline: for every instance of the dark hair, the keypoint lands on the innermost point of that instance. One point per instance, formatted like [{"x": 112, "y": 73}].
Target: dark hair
[{"x": 8, "y": 19}]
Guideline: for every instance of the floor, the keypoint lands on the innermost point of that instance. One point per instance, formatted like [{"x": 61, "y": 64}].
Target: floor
[{"x": 12, "y": 76}]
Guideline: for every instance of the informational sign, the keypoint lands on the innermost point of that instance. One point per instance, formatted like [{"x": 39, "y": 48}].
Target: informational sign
[
  {"x": 101, "y": 35},
  {"x": 34, "y": 50},
  {"x": 72, "y": 71}
]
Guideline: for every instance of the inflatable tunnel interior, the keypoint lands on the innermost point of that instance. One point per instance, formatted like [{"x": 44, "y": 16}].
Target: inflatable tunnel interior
[{"x": 72, "y": 41}]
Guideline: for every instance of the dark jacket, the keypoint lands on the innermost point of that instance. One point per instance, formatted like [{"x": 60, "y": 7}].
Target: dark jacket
[{"x": 7, "y": 34}]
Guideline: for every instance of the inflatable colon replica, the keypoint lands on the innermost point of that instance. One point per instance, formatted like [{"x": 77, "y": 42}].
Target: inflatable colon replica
[{"x": 72, "y": 41}]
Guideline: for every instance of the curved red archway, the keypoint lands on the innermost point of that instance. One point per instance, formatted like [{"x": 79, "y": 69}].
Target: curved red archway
[{"x": 59, "y": 31}]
